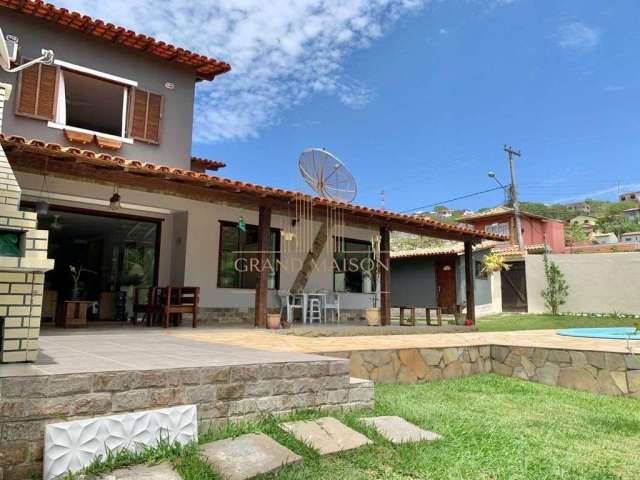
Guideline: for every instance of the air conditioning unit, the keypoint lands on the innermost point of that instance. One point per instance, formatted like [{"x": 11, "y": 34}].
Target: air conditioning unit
[{"x": 12, "y": 47}]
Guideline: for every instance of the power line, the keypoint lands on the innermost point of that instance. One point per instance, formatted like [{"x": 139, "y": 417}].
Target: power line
[{"x": 452, "y": 200}]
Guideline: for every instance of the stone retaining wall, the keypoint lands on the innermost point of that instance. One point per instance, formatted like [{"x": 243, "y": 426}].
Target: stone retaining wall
[
  {"x": 597, "y": 372},
  {"x": 222, "y": 394},
  {"x": 414, "y": 365}
]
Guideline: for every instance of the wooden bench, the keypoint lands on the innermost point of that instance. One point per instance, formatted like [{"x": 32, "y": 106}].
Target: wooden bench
[{"x": 413, "y": 319}]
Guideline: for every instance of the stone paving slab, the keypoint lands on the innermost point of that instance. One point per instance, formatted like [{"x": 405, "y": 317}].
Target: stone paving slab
[
  {"x": 398, "y": 430},
  {"x": 163, "y": 471},
  {"x": 326, "y": 435},
  {"x": 248, "y": 455}
]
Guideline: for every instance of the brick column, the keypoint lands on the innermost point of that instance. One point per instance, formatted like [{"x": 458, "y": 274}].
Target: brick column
[{"x": 22, "y": 276}]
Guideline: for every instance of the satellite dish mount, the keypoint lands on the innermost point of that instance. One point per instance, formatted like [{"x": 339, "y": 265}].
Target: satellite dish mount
[{"x": 46, "y": 57}]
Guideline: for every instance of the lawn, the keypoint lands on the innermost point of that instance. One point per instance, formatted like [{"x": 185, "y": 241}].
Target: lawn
[
  {"x": 509, "y": 322},
  {"x": 494, "y": 428}
]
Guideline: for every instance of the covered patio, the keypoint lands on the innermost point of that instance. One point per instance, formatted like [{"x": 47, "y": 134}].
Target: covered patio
[{"x": 186, "y": 200}]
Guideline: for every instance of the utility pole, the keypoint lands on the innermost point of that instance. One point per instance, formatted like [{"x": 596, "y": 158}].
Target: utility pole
[{"x": 514, "y": 196}]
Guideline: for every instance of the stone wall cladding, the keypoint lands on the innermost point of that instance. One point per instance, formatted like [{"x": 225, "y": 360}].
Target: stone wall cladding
[
  {"x": 245, "y": 316},
  {"x": 414, "y": 365},
  {"x": 222, "y": 394},
  {"x": 596, "y": 372}
]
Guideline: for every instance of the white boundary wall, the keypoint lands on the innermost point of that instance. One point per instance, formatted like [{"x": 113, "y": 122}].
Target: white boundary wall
[{"x": 598, "y": 282}]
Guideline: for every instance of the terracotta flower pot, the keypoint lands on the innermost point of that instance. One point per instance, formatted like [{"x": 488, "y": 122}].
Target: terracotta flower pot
[
  {"x": 373, "y": 316},
  {"x": 273, "y": 321}
]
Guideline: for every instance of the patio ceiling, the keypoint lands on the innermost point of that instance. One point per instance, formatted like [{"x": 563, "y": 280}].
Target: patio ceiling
[{"x": 36, "y": 156}]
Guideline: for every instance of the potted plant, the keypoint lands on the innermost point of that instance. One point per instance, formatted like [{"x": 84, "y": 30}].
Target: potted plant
[
  {"x": 274, "y": 320},
  {"x": 76, "y": 274}
]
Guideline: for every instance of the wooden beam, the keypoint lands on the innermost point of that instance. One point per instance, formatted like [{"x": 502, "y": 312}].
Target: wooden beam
[
  {"x": 385, "y": 276},
  {"x": 262, "y": 284},
  {"x": 25, "y": 158},
  {"x": 469, "y": 278}
]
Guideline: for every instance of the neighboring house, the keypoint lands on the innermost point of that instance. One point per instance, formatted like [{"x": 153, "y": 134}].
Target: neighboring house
[
  {"x": 632, "y": 214},
  {"x": 580, "y": 207},
  {"x": 435, "y": 277},
  {"x": 629, "y": 197},
  {"x": 605, "y": 238},
  {"x": 630, "y": 237},
  {"x": 535, "y": 228},
  {"x": 442, "y": 213},
  {"x": 103, "y": 138}
]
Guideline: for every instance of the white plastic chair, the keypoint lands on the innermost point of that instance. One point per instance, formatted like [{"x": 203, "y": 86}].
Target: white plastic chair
[
  {"x": 290, "y": 303},
  {"x": 332, "y": 302}
]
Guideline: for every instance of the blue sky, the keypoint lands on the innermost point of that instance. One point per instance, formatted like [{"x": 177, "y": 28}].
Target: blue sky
[{"x": 417, "y": 98}]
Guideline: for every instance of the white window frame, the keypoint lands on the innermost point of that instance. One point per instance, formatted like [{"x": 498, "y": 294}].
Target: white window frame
[{"x": 126, "y": 83}]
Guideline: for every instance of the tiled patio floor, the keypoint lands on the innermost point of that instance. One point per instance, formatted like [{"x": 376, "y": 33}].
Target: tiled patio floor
[
  {"x": 140, "y": 349},
  {"x": 266, "y": 340}
]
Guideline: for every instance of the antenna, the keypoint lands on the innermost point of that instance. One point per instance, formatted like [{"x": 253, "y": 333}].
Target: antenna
[
  {"x": 327, "y": 175},
  {"x": 46, "y": 57}
]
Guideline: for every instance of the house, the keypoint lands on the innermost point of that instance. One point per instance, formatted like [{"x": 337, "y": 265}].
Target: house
[
  {"x": 100, "y": 145},
  {"x": 580, "y": 207},
  {"x": 632, "y": 214},
  {"x": 586, "y": 222},
  {"x": 629, "y": 197},
  {"x": 605, "y": 238},
  {"x": 536, "y": 229},
  {"x": 434, "y": 277},
  {"x": 630, "y": 237}
]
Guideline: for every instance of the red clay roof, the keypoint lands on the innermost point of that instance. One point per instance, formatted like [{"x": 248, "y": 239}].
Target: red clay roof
[
  {"x": 104, "y": 160},
  {"x": 205, "y": 67},
  {"x": 446, "y": 250},
  {"x": 208, "y": 164},
  {"x": 499, "y": 211}
]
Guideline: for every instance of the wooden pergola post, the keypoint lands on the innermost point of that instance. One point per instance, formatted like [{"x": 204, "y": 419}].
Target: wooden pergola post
[
  {"x": 262, "y": 284},
  {"x": 468, "y": 274},
  {"x": 385, "y": 276}
]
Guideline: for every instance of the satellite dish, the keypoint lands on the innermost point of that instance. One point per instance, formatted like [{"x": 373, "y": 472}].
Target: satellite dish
[
  {"x": 46, "y": 57},
  {"x": 327, "y": 175}
]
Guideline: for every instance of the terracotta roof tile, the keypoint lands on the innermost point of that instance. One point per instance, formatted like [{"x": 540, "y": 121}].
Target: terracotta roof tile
[
  {"x": 206, "y": 68},
  {"x": 446, "y": 250},
  {"x": 135, "y": 166}
]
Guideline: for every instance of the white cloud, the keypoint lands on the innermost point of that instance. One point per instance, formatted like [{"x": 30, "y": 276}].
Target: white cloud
[
  {"x": 578, "y": 36},
  {"x": 281, "y": 51}
]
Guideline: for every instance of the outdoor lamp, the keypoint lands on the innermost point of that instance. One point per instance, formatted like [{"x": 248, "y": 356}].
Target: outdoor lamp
[{"x": 114, "y": 201}]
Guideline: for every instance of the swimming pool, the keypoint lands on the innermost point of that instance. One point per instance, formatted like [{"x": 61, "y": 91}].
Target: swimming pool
[{"x": 617, "y": 333}]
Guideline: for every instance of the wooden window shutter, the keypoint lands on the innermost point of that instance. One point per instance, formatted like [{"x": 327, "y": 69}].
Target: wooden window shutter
[
  {"x": 37, "y": 92},
  {"x": 146, "y": 116}
]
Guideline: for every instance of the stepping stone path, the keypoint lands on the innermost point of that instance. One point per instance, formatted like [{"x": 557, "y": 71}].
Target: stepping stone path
[
  {"x": 398, "y": 430},
  {"x": 247, "y": 456},
  {"x": 326, "y": 435},
  {"x": 163, "y": 471}
]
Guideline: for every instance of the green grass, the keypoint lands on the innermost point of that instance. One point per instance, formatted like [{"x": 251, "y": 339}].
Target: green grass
[
  {"x": 510, "y": 322},
  {"x": 494, "y": 428}
]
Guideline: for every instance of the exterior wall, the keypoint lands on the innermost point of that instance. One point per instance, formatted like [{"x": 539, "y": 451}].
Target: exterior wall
[
  {"x": 222, "y": 394},
  {"x": 598, "y": 282},
  {"x": 190, "y": 239},
  {"x": 534, "y": 232},
  {"x": 596, "y": 372},
  {"x": 150, "y": 73},
  {"x": 416, "y": 365},
  {"x": 630, "y": 238},
  {"x": 21, "y": 278},
  {"x": 413, "y": 283}
]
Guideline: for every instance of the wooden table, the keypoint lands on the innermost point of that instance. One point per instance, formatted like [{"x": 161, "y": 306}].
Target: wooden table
[{"x": 75, "y": 313}]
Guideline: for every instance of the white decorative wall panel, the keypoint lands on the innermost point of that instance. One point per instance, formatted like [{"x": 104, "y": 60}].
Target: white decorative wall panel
[{"x": 70, "y": 446}]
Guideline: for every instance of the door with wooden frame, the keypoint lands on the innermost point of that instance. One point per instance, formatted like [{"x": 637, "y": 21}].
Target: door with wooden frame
[
  {"x": 514, "y": 288},
  {"x": 446, "y": 285}
]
